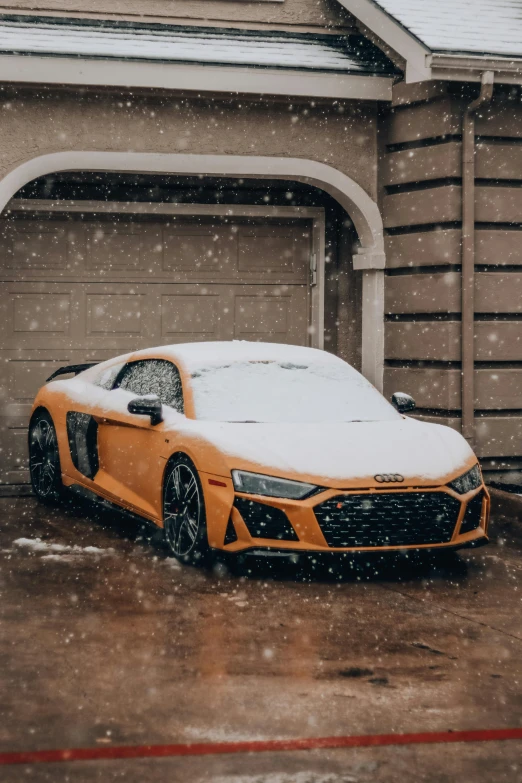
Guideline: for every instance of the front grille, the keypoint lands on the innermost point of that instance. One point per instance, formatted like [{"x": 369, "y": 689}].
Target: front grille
[
  {"x": 473, "y": 514},
  {"x": 388, "y": 519},
  {"x": 264, "y": 521}
]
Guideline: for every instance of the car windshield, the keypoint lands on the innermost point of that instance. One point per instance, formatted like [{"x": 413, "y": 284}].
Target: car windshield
[{"x": 271, "y": 391}]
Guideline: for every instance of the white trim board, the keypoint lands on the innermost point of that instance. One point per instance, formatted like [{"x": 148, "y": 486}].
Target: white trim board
[{"x": 128, "y": 74}]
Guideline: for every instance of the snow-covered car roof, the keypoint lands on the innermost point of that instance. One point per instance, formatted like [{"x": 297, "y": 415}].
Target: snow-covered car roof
[{"x": 194, "y": 356}]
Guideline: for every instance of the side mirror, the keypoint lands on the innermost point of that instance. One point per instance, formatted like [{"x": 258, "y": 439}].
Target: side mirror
[
  {"x": 147, "y": 406},
  {"x": 403, "y": 402}
]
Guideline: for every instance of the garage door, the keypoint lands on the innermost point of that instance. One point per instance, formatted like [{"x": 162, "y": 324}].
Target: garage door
[{"x": 85, "y": 288}]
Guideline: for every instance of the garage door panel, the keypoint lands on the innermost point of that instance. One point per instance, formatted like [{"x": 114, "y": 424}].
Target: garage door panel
[
  {"x": 189, "y": 317},
  {"x": 118, "y": 247},
  {"x": 267, "y": 315},
  {"x": 197, "y": 249},
  {"x": 28, "y": 376},
  {"x": 41, "y": 313},
  {"x": 121, "y": 250},
  {"x": 32, "y": 316},
  {"x": 32, "y": 245},
  {"x": 262, "y": 314},
  {"x": 115, "y": 313},
  {"x": 281, "y": 250},
  {"x": 13, "y": 451},
  {"x": 24, "y": 372}
]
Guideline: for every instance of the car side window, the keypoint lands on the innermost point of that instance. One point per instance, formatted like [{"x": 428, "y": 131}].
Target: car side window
[{"x": 153, "y": 376}]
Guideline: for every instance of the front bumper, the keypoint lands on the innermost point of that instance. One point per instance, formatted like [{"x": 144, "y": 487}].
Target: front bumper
[{"x": 412, "y": 518}]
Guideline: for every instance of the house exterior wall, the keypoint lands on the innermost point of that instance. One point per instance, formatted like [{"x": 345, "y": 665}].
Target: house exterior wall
[
  {"x": 37, "y": 122},
  {"x": 421, "y": 196}
]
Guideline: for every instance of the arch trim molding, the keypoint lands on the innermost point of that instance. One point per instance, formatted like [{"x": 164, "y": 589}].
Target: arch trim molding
[{"x": 362, "y": 209}]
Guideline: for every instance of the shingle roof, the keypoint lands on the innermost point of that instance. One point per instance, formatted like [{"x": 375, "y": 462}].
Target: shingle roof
[
  {"x": 464, "y": 26},
  {"x": 345, "y": 54}
]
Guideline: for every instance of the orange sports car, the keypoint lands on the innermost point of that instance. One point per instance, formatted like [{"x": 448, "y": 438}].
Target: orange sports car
[{"x": 240, "y": 446}]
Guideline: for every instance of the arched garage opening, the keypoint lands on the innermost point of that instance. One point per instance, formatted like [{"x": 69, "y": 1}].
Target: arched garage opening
[{"x": 101, "y": 262}]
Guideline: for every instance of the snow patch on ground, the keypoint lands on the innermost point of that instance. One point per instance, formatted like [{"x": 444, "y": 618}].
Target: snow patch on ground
[
  {"x": 58, "y": 551},
  {"x": 220, "y": 734}
]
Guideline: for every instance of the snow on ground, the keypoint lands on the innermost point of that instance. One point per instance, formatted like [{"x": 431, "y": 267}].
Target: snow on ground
[
  {"x": 52, "y": 551},
  {"x": 220, "y": 734},
  {"x": 69, "y": 553}
]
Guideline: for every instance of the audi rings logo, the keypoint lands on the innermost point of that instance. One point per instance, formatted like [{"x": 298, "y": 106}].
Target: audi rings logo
[{"x": 389, "y": 478}]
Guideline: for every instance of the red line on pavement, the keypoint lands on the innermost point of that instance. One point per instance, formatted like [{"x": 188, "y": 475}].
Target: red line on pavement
[{"x": 258, "y": 746}]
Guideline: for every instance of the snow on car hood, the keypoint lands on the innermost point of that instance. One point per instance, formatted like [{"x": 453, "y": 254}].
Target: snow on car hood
[{"x": 343, "y": 450}]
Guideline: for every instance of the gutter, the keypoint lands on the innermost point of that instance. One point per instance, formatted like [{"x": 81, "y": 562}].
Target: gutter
[
  {"x": 470, "y": 67},
  {"x": 468, "y": 256}
]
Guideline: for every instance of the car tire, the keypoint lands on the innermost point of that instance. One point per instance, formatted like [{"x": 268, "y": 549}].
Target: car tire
[
  {"x": 184, "y": 517},
  {"x": 44, "y": 460}
]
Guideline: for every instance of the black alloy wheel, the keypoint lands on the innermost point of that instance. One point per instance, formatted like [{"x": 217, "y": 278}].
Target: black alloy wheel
[
  {"x": 184, "y": 518},
  {"x": 44, "y": 459}
]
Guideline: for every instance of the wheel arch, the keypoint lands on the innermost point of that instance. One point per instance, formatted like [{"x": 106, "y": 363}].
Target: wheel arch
[{"x": 170, "y": 461}]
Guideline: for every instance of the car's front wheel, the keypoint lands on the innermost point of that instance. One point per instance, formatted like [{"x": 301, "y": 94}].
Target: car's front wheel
[
  {"x": 184, "y": 517},
  {"x": 44, "y": 459}
]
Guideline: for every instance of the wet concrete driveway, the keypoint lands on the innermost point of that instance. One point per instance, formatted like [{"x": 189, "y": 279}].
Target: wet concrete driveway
[{"x": 107, "y": 641}]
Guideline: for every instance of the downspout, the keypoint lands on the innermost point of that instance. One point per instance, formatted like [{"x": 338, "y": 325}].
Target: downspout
[{"x": 468, "y": 257}]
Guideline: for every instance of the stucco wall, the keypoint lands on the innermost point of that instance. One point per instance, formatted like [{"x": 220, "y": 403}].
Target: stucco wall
[
  {"x": 36, "y": 123},
  {"x": 213, "y": 12}
]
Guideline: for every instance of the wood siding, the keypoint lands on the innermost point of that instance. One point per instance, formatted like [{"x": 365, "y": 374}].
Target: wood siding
[
  {"x": 493, "y": 204},
  {"x": 422, "y": 207},
  {"x": 495, "y": 292},
  {"x": 493, "y": 247}
]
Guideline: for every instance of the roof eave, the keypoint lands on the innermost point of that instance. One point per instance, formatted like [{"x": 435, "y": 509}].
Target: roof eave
[{"x": 191, "y": 78}]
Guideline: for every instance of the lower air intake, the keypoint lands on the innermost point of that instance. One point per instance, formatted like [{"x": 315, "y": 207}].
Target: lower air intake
[
  {"x": 388, "y": 519},
  {"x": 264, "y": 521},
  {"x": 473, "y": 514}
]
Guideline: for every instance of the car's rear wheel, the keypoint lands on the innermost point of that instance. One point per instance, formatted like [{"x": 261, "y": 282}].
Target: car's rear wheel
[
  {"x": 184, "y": 517},
  {"x": 44, "y": 459}
]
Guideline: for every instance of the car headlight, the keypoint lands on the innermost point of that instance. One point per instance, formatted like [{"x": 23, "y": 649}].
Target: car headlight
[
  {"x": 259, "y": 484},
  {"x": 468, "y": 481}
]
